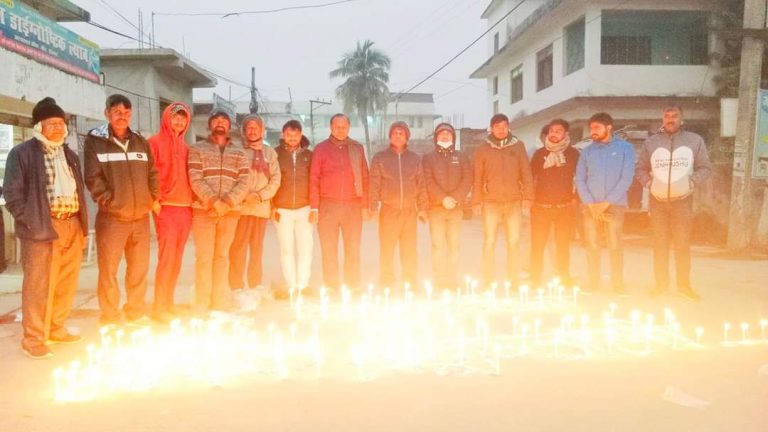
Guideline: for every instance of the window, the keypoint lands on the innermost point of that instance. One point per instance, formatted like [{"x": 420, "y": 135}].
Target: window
[
  {"x": 495, "y": 107},
  {"x": 544, "y": 69},
  {"x": 516, "y": 84},
  {"x": 653, "y": 37},
  {"x": 626, "y": 50},
  {"x": 574, "y": 46},
  {"x": 495, "y": 85},
  {"x": 496, "y": 43}
]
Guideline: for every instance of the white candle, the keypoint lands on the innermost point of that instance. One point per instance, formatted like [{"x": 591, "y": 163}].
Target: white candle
[
  {"x": 576, "y": 291},
  {"x": 699, "y": 333},
  {"x": 726, "y": 329},
  {"x": 507, "y": 286},
  {"x": 744, "y": 329},
  {"x": 763, "y": 325}
]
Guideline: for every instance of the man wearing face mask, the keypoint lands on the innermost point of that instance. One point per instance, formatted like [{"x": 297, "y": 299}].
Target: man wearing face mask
[
  {"x": 553, "y": 167},
  {"x": 603, "y": 175},
  {"x": 174, "y": 220},
  {"x": 256, "y": 208},
  {"x": 448, "y": 179},
  {"x": 671, "y": 164},
  {"x": 503, "y": 188},
  {"x": 45, "y": 193},
  {"x": 397, "y": 187},
  {"x": 219, "y": 173},
  {"x": 121, "y": 176}
]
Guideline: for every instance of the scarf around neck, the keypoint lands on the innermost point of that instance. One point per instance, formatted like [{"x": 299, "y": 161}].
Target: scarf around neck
[
  {"x": 556, "y": 156},
  {"x": 64, "y": 184}
]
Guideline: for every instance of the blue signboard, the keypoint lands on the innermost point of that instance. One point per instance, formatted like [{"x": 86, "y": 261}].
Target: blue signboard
[
  {"x": 761, "y": 142},
  {"x": 24, "y": 31}
]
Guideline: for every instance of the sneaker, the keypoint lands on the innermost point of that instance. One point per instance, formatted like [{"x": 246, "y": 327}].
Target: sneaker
[
  {"x": 140, "y": 321},
  {"x": 620, "y": 291},
  {"x": 64, "y": 338},
  {"x": 658, "y": 291},
  {"x": 163, "y": 317},
  {"x": 689, "y": 293},
  {"x": 37, "y": 352}
]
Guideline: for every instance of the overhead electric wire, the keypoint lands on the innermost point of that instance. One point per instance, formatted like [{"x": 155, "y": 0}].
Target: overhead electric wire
[{"x": 256, "y": 12}]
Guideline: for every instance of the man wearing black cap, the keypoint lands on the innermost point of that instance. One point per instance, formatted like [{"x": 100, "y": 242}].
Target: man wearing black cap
[
  {"x": 219, "y": 174},
  {"x": 122, "y": 179},
  {"x": 44, "y": 192},
  {"x": 503, "y": 187},
  {"x": 397, "y": 186},
  {"x": 448, "y": 179}
]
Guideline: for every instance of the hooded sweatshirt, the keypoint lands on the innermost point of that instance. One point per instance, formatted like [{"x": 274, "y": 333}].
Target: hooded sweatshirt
[
  {"x": 264, "y": 178},
  {"x": 673, "y": 164},
  {"x": 170, "y": 152}
]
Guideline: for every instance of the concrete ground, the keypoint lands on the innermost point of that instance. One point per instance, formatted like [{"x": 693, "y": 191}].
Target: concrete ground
[{"x": 532, "y": 392}]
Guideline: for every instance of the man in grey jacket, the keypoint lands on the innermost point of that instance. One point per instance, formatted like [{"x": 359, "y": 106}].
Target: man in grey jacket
[
  {"x": 256, "y": 209},
  {"x": 672, "y": 163}
]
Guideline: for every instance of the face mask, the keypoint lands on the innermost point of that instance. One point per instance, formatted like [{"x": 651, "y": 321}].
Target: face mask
[{"x": 445, "y": 144}]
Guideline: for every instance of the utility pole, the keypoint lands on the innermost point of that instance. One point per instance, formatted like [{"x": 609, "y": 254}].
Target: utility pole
[
  {"x": 312, "y": 103},
  {"x": 742, "y": 221},
  {"x": 253, "y": 108}
]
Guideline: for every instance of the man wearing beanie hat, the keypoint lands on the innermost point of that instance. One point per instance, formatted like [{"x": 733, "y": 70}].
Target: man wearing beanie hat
[
  {"x": 121, "y": 176},
  {"x": 448, "y": 179},
  {"x": 45, "y": 193},
  {"x": 503, "y": 187},
  {"x": 219, "y": 175},
  {"x": 397, "y": 192}
]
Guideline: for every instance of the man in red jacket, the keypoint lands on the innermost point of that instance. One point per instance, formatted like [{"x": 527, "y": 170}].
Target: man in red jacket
[
  {"x": 174, "y": 220},
  {"x": 338, "y": 196}
]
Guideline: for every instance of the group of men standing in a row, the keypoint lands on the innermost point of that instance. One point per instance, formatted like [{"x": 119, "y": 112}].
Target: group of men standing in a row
[{"x": 225, "y": 192}]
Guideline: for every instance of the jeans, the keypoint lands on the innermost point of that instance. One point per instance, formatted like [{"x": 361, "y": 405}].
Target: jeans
[
  {"x": 445, "y": 231},
  {"x": 296, "y": 237},
  {"x": 172, "y": 226},
  {"x": 50, "y": 268},
  {"x": 671, "y": 223},
  {"x": 507, "y": 215},
  {"x": 213, "y": 237},
  {"x": 613, "y": 230},
  {"x": 343, "y": 217},
  {"x": 249, "y": 236},
  {"x": 543, "y": 218},
  {"x": 115, "y": 237},
  {"x": 397, "y": 228}
]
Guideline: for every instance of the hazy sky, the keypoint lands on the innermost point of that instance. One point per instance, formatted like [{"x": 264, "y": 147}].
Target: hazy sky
[{"x": 297, "y": 48}]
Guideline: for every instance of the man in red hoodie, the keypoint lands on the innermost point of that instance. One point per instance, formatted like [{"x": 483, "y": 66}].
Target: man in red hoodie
[{"x": 174, "y": 220}]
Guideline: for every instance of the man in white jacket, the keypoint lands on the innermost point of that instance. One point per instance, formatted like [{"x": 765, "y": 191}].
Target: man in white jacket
[{"x": 671, "y": 164}]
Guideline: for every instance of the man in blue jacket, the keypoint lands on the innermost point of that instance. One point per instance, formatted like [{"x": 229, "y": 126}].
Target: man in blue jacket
[
  {"x": 603, "y": 175},
  {"x": 44, "y": 192}
]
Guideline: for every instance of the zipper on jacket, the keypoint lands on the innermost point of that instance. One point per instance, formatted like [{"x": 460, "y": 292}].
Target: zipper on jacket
[
  {"x": 221, "y": 168},
  {"x": 400, "y": 170},
  {"x": 669, "y": 173},
  {"x": 130, "y": 174},
  {"x": 294, "y": 156}
]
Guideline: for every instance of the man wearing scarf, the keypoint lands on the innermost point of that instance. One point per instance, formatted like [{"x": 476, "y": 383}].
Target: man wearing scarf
[
  {"x": 174, "y": 220},
  {"x": 503, "y": 187},
  {"x": 256, "y": 209},
  {"x": 553, "y": 168},
  {"x": 45, "y": 193},
  {"x": 338, "y": 196}
]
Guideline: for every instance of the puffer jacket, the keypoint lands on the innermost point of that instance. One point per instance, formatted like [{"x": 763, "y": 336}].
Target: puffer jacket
[
  {"x": 293, "y": 192},
  {"x": 123, "y": 181},
  {"x": 447, "y": 172}
]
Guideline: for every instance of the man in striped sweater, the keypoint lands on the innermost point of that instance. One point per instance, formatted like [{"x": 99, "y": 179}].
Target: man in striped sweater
[{"x": 218, "y": 174}]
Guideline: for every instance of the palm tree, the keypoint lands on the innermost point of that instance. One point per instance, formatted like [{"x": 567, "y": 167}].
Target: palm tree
[{"x": 365, "y": 90}]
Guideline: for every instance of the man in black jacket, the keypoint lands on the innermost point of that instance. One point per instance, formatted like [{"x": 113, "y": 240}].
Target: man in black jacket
[
  {"x": 44, "y": 192},
  {"x": 397, "y": 186},
  {"x": 291, "y": 208},
  {"x": 120, "y": 174},
  {"x": 448, "y": 179},
  {"x": 553, "y": 167}
]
